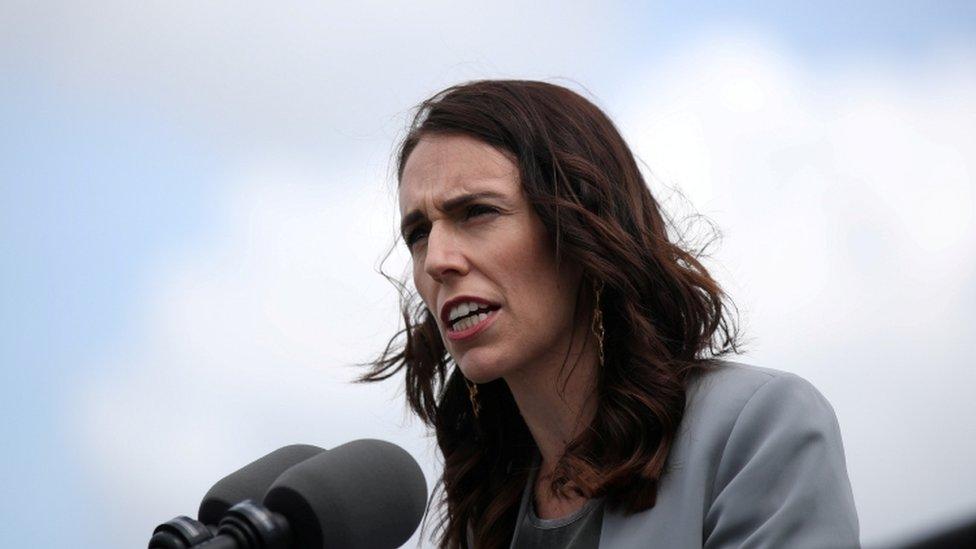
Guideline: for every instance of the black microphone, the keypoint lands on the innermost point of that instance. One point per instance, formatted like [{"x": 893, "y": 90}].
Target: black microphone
[
  {"x": 250, "y": 482},
  {"x": 365, "y": 494}
]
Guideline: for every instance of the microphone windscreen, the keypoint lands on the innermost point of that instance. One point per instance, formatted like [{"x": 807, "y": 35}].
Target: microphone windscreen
[
  {"x": 251, "y": 481},
  {"x": 365, "y": 494}
]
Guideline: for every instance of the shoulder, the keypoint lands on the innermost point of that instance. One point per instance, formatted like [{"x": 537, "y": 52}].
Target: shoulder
[
  {"x": 775, "y": 455},
  {"x": 734, "y": 381},
  {"x": 734, "y": 410},
  {"x": 757, "y": 461},
  {"x": 724, "y": 390},
  {"x": 740, "y": 406}
]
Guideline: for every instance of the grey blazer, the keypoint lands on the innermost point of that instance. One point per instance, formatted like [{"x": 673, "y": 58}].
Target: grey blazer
[{"x": 758, "y": 462}]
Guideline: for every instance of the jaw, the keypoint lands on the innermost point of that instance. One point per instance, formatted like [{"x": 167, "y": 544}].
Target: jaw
[{"x": 480, "y": 364}]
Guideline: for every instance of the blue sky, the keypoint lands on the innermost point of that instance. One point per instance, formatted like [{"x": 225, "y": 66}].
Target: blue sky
[
  {"x": 90, "y": 192},
  {"x": 835, "y": 31},
  {"x": 147, "y": 153}
]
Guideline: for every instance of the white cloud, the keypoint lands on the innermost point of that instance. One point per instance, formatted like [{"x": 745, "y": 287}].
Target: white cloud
[
  {"x": 846, "y": 200},
  {"x": 848, "y": 204},
  {"x": 292, "y": 74},
  {"x": 247, "y": 345}
]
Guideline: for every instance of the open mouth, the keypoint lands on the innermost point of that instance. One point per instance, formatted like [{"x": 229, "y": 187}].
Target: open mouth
[
  {"x": 471, "y": 319},
  {"x": 467, "y": 318}
]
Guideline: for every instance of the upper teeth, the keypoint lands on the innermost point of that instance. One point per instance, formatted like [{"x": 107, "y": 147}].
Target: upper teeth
[{"x": 464, "y": 308}]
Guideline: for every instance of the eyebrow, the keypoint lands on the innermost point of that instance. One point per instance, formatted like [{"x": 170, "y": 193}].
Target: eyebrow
[{"x": 448, "y": 205}]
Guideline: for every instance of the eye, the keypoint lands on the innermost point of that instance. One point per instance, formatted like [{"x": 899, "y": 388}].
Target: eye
[
  {"x": 420, "y": 232},
  {"x": 479, "y": 209},
  {"x": 414, "y": 235}
]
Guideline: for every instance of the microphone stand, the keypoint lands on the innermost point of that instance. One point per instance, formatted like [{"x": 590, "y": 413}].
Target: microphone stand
[{"x": 247, "y": 525}]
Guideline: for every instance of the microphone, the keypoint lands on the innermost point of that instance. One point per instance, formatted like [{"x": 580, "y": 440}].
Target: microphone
[
  {"x": 251, "y": 481},
  {"x": 364, "y": 494},
  {"x": 247, "y": 483}
]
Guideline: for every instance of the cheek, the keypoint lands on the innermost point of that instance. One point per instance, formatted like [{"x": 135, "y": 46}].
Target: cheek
[
  {"x": 423, "y": 284},
  {"x": 548, "y": 292}
]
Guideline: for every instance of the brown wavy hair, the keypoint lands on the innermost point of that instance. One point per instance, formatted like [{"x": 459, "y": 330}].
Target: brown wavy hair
[{"x": 665, "y": 317}]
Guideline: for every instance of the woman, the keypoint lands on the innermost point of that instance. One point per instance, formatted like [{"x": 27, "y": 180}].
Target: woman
[{"x": 564, "y": 349}]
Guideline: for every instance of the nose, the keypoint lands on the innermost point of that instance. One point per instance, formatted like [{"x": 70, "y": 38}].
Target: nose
[{"x": 445, "y": 254}]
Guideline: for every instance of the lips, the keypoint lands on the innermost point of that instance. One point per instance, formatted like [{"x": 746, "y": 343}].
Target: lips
[
  {"x": 457, "y": 302},
  {"x": 470, "y": 326}
]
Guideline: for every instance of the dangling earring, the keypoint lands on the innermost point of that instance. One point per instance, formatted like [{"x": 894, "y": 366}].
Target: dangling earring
[
  {"x": 598, "y": 317},
  {"x": 473, "y": 395}
]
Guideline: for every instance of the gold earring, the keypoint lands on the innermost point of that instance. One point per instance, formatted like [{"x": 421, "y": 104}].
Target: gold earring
[
  {"x": 598, "y": 317},
  {"x": 473, "y": 395}
]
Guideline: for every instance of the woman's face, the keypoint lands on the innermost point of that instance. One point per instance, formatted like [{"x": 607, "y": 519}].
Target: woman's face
[{"x": 476, "y": 243}]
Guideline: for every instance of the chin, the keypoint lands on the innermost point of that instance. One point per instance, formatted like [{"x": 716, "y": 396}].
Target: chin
[{"x": 480, "y": 366}]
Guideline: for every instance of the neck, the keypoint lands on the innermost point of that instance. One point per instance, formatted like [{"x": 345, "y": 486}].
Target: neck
[{"x": 557, "y": 402}]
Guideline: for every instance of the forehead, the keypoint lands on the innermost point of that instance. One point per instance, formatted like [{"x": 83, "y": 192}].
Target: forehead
[{"x": 442, "y": 167}]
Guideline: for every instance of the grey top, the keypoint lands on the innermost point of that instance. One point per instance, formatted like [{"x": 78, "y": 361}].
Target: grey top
[
  {"x": 758, "y": 462},
  {"x": 579, "y": 530}
]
